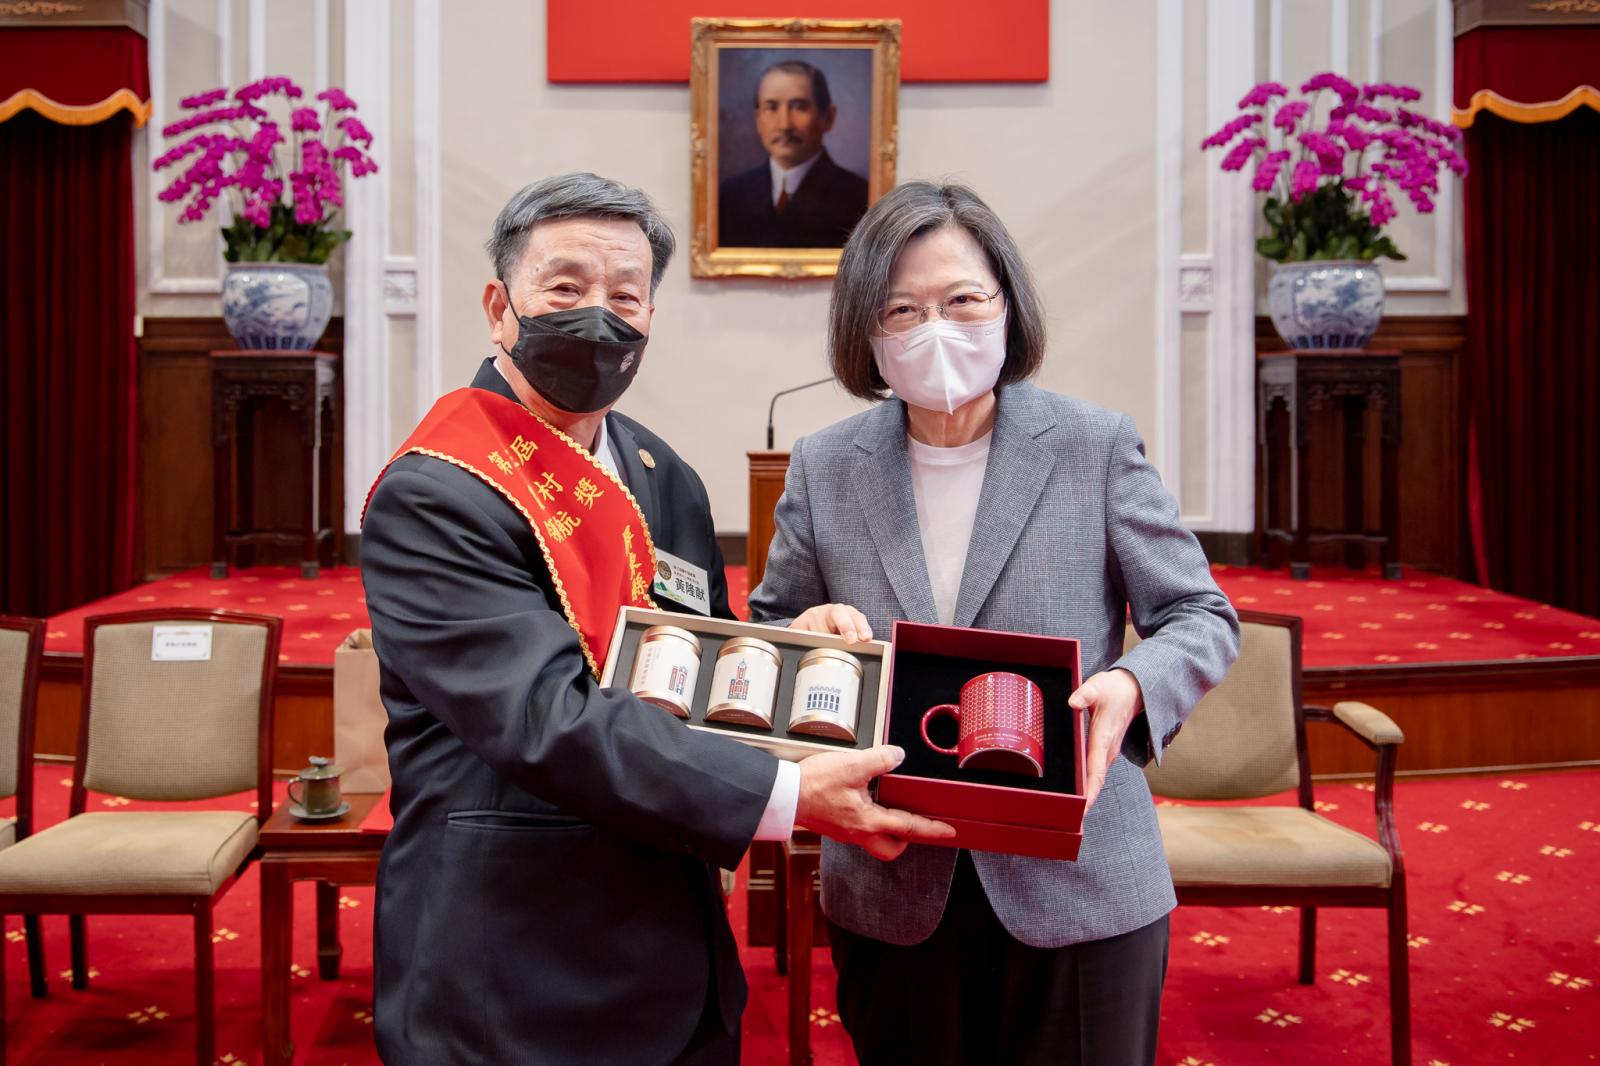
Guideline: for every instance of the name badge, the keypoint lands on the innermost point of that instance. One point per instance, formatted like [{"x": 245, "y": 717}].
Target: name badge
[
  {"x": 180, "y": 644},
  {"x": 682, "y": 582}
]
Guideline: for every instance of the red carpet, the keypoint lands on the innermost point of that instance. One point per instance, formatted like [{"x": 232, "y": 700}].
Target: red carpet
[
  {"x": 1352, "y": 619},
  {"x": 1359, "y": 619},
  {"x": 1505, "y": 962},
  {"x": 317, "y": 614}
]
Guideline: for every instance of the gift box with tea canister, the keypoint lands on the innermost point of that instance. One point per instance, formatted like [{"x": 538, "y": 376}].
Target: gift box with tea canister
[
  {"x": 788, "y": 691},
  {"x": 992, "y": 748}
]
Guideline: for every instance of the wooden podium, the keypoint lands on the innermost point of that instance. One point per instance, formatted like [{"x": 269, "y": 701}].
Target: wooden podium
[{"x": 767, "y": 471}]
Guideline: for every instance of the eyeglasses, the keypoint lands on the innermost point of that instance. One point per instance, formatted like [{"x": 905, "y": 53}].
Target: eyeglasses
[{"x": 976, "y": 306}]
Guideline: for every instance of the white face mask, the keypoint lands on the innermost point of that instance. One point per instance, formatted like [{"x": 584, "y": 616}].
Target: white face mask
[{"x": 942, "y": 365}]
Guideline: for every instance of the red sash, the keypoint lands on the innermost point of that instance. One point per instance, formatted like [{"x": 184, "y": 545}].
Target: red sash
[{"x": 588, "y": 525}]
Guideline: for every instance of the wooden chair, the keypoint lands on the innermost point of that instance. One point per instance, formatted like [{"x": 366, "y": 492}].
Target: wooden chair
[
  {"x": 165, "y": 731},
  {"x": 1247, "y": 739},
  {"x": 21, "y": 647}
]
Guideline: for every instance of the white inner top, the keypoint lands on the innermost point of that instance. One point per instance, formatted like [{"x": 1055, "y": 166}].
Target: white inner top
[{"x": 946, "y": 482}]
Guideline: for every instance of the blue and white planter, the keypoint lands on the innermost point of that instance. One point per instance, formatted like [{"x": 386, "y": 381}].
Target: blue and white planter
[
  {"x": 1327, "y": 303},
  {"x": 277, "y": 305}
]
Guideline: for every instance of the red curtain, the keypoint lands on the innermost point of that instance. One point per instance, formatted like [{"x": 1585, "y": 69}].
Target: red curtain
[
  {"x": 1533, "y": 291},
  {"x": 67, "y": 362}
]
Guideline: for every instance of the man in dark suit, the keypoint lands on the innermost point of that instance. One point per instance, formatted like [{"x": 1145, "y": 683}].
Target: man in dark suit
[
  {"x": 799, "y": 197},
  {"x": 549, "y": 892}
]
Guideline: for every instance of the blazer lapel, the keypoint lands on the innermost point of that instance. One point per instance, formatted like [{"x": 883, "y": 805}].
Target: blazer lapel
[
  {"x": 883, "y": 489},
  {"x": 633, "y": 470},
  {"x": 1019, "y": 468}
]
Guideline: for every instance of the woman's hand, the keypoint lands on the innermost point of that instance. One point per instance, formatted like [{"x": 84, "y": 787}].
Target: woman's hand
[
  {"x": 839, "y": 618},
  {"x": 1113, "y": 699}
]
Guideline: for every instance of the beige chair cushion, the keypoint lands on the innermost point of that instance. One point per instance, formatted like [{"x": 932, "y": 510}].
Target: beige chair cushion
[
  {"x": 174, "y": 730},
  {"x": 8, "y": 832},
  {"x": 13, "y": 664},
  {"x": 131, "y": 853},
  {"x": 1287, "y": 846},
  {"x": 1240, "y": 742}
]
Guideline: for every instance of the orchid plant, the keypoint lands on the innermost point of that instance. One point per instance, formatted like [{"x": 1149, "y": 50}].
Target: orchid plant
[
  {"x": 285, "y": 192},
  {"x": 1332, "y": 179}
]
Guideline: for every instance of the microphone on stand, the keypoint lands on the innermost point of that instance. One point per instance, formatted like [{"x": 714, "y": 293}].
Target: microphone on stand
[{"x": 785, "y": 392}]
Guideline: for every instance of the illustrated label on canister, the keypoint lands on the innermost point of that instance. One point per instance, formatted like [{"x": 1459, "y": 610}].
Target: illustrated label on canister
[
  {"x": 667, "y": 666},
  {"x": 744, "y": 685},
  {"x": 827, "y": 695}
]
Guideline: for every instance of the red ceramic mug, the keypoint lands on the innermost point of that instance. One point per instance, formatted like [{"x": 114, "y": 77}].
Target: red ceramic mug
[{"x": 1001, "y": 721}]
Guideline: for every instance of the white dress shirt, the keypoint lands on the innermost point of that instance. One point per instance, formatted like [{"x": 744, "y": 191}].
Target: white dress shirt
[{"x": 789, "y": 179}]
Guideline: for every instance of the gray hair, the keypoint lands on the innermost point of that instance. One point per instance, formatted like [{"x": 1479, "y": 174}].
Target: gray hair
[
  {"x": 859, "y": 287},
  {"x": 577, "y": 195}
]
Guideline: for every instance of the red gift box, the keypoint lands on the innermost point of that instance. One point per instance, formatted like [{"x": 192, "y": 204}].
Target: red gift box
[{"x": 990, "y": 810}]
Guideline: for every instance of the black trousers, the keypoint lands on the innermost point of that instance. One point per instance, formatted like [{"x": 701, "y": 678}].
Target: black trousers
[{"x": 973, "y": 993}]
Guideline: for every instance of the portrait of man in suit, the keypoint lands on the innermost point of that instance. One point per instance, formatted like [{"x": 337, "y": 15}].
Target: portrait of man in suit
[{"x": 799, "y": 195}]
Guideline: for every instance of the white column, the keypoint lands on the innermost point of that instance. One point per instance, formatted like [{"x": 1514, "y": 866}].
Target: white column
[
  {"x": 425, "y": 114},
  {"x": 366, "y": 334},
  {"x": 1231, "y": 37}
]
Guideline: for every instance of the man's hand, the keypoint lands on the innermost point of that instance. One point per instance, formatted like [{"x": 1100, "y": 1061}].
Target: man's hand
[
  {"x": 840, "y": 618},
  {"x": 834, "y": 802},
  {"x": 1113, "y": 699}
]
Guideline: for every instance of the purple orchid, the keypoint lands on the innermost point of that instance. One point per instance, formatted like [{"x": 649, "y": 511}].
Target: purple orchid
[
  {"x": 285, "y": 193},
  {"x": 1354, "y": 150}
]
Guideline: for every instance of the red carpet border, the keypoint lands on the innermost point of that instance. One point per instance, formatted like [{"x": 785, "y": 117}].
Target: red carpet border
[{"x": 1505, "y": 956}]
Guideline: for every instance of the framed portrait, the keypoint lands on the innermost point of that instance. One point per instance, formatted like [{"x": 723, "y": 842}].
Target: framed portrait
[{"x": 794, "y": 132}]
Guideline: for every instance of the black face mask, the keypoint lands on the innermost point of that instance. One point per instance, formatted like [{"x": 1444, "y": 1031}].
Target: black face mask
[{"x": 581, "y": 359}]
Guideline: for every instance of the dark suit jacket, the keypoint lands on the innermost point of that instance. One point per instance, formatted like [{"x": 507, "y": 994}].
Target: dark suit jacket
[
  {"x": 549, "y": 892},
  {"x": 820, "y": 214}
]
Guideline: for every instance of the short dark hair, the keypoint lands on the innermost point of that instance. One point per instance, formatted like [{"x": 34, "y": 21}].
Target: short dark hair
[
  {"x": 577, "y": 195},
  {"x": 819, "y": 81},
  {"x": 859, "y": 287}
]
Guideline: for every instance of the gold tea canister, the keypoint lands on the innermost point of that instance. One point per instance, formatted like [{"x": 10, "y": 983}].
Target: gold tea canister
[
  {"x": 744, "y": 685},
  {"x": 666, "y": 668},
  {"x": 827, "y": 695}
]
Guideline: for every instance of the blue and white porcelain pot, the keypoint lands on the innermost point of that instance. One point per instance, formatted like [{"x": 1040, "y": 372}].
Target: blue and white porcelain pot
[
  {"x": 277, "y": 305},
  {"x": 1328, "y": 303}
]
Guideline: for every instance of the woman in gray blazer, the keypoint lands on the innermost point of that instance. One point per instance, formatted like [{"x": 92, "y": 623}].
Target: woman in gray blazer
[{"x": 971, "y": 497}]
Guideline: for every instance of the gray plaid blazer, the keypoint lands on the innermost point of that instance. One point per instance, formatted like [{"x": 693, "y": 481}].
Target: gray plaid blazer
[{"x": 1074, "y": 528}]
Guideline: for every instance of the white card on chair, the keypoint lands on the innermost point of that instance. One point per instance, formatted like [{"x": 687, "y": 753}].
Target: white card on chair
[{"x": 181, "y": 644}]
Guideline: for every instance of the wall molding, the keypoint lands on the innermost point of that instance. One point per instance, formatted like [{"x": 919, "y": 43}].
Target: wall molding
[
  {"x": 156, "y": 213},
  {"x": 400, "y": 287}
]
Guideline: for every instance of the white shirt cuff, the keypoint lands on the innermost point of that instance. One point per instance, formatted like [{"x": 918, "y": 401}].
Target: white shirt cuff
[{"x": 777, "y": 821}]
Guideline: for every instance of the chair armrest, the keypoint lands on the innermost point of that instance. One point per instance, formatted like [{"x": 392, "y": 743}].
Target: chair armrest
[{"x": 1369, "y": 723}]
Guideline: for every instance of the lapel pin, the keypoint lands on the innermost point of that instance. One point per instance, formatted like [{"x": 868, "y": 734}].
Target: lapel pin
[{"x": 647, "y": 459}]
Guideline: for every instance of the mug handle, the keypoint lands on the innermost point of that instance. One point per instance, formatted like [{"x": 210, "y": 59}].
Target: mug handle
[
  {"x": 933, "y": 712},
  {"x": 298, "y": 801}
]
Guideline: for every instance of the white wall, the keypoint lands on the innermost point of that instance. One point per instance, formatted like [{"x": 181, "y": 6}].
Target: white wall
[{"x": 1140, "y": 247}]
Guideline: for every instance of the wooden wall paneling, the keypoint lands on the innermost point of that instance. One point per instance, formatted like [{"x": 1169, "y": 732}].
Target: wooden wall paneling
[
  {"x": 1433, "y": 453},
  {"x": 174, "y": 458},
  {"x": 1467, "y": 717}
]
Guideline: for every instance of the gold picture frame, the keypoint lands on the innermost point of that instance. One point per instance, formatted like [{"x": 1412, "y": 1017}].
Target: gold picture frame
[{"x": 862, "y": 57}]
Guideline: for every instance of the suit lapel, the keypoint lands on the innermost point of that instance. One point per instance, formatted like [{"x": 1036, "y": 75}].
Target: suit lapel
[
  {"x": 1019, "y": 468},
  {"x": 634, "y": 474},
  {"x": 883, "y": 489}
]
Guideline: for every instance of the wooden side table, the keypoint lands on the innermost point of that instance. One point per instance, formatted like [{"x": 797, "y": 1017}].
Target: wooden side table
[
  {"x": 307, "y": 383},
  {"x": 332, "y": 853},
  {"x": 1305, "y": 382}
]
